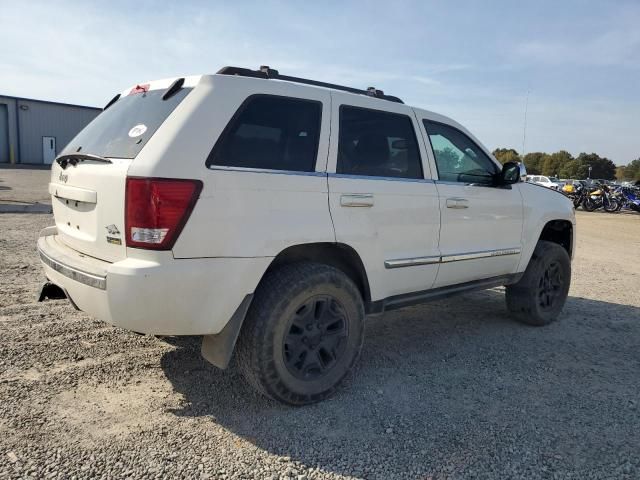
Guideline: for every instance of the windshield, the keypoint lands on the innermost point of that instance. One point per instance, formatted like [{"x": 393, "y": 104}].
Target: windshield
[{"x": 123, "y": 129}]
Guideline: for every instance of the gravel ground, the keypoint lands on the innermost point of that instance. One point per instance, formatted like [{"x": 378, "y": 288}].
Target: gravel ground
[{"x": 453, "y": 389}]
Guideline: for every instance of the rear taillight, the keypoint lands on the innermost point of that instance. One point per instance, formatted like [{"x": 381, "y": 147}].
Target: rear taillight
[{"x": 157, "y": 209}]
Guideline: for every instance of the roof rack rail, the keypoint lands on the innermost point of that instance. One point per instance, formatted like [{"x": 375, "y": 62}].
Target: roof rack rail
[{"x": 268, "y": 73}]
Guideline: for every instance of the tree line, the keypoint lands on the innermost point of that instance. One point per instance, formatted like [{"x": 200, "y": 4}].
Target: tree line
[{"x": 564, "y": 165}]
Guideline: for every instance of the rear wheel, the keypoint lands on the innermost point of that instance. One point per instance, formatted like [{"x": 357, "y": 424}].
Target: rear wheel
[
  {"x": 303, "y": 333},
  {"x": 539, "y": 296},
  {"x": 610, "y": 204}
]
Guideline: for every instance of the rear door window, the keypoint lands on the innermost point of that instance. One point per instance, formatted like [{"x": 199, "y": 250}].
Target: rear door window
[
  {"x": 378, "y": 144},
  {"x": 123, "y": 129},
  {"x": 271, "y": 132}
]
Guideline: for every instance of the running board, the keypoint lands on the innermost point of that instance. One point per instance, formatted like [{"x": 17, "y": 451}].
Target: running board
[{"x": 425, "y": 296}]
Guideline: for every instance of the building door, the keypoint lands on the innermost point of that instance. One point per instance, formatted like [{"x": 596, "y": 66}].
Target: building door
[
  {"x": 48, "y": 149},
  {"x": 4, "y": 134}
]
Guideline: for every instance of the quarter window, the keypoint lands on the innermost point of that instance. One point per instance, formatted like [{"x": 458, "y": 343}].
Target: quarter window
[
  {"x": 271, "y": 132},
  {"x": 378, "y": 144},
  {"x": 458, "y": 158}
]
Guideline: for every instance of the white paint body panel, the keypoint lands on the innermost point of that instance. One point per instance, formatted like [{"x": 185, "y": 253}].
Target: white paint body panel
[
  {"x": 492, "y": 220},
  {"x": 85, "y": 200},
  {"x": 403, "y": 220},
  {"x": 158, "y": 294},
  {"x": 540, "y": 206},
  {"x": 241, "y": 212}
]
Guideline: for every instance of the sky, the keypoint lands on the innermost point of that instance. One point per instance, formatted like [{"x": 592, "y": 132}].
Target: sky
[{"x": 578, "y": 62}]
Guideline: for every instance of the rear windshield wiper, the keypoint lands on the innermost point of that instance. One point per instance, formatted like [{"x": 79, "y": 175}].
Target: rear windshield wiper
[{"x": 75, "y": 158}]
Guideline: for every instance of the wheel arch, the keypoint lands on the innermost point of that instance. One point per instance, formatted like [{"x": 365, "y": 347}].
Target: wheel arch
[
  {"x": 218, "y": 349},
  {"x": 560, "y": 232},
  {"x": 338, "y": 255}
]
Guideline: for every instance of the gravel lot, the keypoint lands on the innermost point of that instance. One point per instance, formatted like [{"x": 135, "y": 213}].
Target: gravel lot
[{"x": 453, "y": 389}]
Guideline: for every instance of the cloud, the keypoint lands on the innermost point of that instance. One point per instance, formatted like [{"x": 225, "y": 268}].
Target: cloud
[{"x": 615, "y": 43}]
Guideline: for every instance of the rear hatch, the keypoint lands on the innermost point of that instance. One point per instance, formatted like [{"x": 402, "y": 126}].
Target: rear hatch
[{"x": 89, "y": 176}]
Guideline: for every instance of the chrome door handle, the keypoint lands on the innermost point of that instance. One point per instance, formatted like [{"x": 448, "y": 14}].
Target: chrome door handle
[
  {"x": 457, "y": 203},
  {"x": 356, "y": 200}
]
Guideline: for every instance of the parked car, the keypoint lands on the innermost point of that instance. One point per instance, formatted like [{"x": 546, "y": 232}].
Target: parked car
[
  {"x": 544, "y": 181},
  {"x": 271, "y": 214}
]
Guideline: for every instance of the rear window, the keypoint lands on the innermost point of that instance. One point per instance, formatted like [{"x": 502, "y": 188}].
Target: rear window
[
  {"x": 271, "y": 132},
  {"x": 123, "y": 129}
]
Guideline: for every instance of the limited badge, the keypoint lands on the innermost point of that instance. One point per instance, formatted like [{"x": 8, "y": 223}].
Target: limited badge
[
  {"x": 112, "y": 229},
  {"x": 137, "y": 130}
]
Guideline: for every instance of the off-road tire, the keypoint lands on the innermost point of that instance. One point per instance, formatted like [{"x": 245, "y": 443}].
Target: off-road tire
[
  {"x": 282, "y": 294},
  {"x": 526, "y": 300}
]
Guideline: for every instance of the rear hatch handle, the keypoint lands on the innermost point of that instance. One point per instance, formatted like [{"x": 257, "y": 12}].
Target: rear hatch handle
[{"x": 75, "y": 158}]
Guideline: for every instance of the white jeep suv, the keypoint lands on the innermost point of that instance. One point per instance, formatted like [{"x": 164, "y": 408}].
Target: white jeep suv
[{"x": 272, "y": 214}]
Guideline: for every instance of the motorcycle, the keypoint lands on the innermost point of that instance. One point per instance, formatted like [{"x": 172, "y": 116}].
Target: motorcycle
[
  {"x": 628, "y": 197},
  {"x": 600, "y": 197},
  {"x": 575, "y": 192}
]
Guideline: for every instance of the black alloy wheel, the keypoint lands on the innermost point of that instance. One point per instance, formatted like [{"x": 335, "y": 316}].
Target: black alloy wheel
[
  {"x": 550, "y": 286},
  {"x": 316, "y": 337}
]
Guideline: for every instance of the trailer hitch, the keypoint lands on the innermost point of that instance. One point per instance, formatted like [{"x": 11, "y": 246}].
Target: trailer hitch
[{"x": 51, "y": 291}]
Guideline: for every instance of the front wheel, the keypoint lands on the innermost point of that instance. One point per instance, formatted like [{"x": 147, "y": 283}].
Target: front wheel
[
  {"x": 589, "y": 205},
  {"x": 576, "y": 201},
  {"x": 303, "y": 333},
  {"x": 539, "y": 296}
]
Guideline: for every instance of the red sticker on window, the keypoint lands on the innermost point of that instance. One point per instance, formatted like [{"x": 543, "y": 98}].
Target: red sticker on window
[{"x": 139, "y": 89}]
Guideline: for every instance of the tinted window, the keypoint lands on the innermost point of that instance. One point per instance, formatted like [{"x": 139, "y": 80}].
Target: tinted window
[
  {"x": 458, "y": 158},
  {"x": 125, "y": 127},
  {"x": 271, "y": 132},
  {"x": 378, "y": 144}
]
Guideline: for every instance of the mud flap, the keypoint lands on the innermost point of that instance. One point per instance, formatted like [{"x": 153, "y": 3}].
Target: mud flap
[{"x": 217, "y": 349}]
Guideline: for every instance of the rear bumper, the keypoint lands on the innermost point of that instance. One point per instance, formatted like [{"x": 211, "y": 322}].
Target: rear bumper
[{"x": 157, "y": 295}]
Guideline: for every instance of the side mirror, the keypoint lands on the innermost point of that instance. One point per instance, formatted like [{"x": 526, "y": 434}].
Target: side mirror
[{"x": 510, "y": 173}]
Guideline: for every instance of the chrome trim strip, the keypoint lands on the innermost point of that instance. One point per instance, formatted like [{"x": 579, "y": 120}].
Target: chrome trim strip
[
  {"x": 68, "y": 192},
  {"x": 482, "y": 254},
  {"x": 370, "y": 177},
  {"x": 462, "y": 184},
  {"x": 73, "y": 273},
  {"x": 266, "y": 170},
  {"x": 411, "y": 262},
  {"x": 458, "y": 257}
]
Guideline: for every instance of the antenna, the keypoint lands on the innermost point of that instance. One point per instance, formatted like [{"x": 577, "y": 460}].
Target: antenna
[{"x": 524, "y": 129}]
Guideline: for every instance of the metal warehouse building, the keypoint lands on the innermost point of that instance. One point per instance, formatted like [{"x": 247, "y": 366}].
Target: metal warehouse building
[{"x": 35, "y": 131}]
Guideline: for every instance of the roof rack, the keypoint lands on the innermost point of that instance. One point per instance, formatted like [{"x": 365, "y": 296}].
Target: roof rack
[{"x": 268, "y": 73}]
